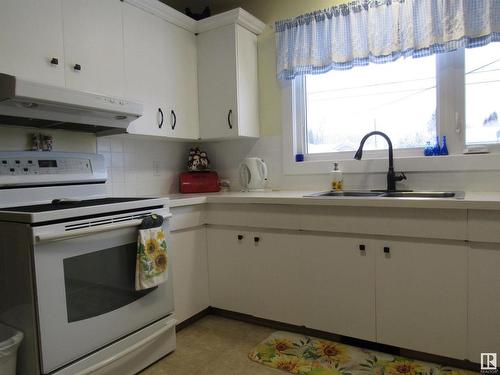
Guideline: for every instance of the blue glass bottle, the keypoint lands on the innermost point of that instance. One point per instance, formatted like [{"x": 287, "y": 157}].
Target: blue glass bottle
[
  {"x": 428, "y": 149},
  {"x": 444, "y": 148},
  {"x": 437, "y": 148}
]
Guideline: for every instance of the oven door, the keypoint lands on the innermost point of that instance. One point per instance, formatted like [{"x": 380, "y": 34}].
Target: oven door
[{"x": 85, "y": 283}]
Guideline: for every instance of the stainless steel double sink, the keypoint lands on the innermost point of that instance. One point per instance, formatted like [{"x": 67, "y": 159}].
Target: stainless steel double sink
[{"x": 388, "y": 194}]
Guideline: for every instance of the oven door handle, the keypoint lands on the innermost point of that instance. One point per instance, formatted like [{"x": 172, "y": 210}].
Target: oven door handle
[
  {"x": 50, "y": 237},
  {"x": 129, "y": 350}
]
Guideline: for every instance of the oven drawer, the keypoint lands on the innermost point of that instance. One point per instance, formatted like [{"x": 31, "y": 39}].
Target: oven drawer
[{"x": 129, "y": 355}]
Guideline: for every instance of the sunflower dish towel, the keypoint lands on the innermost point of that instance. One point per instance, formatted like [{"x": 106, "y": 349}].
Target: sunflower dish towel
[{"x": 152, "y": 258}]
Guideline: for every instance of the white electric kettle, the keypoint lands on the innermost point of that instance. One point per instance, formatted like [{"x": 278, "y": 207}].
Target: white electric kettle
[{"x": 253, "y": 174}]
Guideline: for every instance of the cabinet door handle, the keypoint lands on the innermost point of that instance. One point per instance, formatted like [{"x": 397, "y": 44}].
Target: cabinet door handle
[
  {"x": 240, "y": 237},
  {"x": 54, "y": 61},
  {"x": 174, "y": 118},
  {"x": 387, "y": 250},
  {"x": 160, "y": 122},
  {"x": 77, "y": 67},
  {"x": 362, "y": 247},
  {"x": 229, "y": 114}
]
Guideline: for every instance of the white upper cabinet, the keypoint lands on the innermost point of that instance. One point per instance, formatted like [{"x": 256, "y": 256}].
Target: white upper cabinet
[
  {"x": 31, "y": 40},
  {"x": 72, "y": 43},
  {"x": 93, "y": 46},
  {"x": 160, "y": 72},
  {"x": 228, "y": 77},
  {"x": 145, "y": 51},
  {"x": 182, "y": 111},
  {"x": 145, "y": 57},
  {"x": 217, "y": 83}
]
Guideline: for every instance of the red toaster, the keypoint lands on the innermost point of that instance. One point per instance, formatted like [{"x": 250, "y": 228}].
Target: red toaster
[{"x": 199, "y": 182}]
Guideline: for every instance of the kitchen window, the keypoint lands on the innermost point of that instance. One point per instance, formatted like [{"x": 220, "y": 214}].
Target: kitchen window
[
  {"x": 412, "y": 100},
  {"x": 482, "y": 93}
]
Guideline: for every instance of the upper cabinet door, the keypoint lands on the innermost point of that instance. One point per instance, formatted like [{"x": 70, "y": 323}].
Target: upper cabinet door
[
  {"x": 248, "y": 83},
  {"x": 182, "y": 84},
  {"x": 93, "y": 46},
  {"x": 217, "y": 83},
  {"x": 31, "y": 40},
  {"x": 145, "y": 41}
]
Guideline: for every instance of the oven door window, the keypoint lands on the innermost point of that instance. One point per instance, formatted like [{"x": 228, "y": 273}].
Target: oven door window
[{"x": 100, "y": 282}]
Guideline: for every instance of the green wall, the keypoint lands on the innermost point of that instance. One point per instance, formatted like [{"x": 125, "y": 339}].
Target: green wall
[{"x": 270, "y": 11}]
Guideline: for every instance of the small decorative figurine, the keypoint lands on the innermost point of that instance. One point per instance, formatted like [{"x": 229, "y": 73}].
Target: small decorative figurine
[
  {"x": 35, "y": 142},
  {"x": 197, "y": 160},
  {"x": 48, "y": 143}
]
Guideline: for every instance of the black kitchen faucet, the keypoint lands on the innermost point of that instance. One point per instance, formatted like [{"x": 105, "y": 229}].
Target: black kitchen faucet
[{"x": 392, "y": 178}]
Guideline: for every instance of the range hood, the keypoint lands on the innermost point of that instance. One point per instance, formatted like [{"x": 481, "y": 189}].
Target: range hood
[{"x": 27, "y": 103}]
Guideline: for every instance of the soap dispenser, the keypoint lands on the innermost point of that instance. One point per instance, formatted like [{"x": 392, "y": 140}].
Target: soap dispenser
[{"x": 337, "y": 179}]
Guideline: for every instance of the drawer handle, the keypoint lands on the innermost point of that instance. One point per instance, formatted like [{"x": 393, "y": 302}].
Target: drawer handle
[
  {"x": 77, "y": 67},
  {"x": 229, "y": 114},
  {"x": 160, "y": 122},
  {"x": 54, "y": 61},
  {"x": 174, "y": 118},
  {"x": 387, "y": 250}
]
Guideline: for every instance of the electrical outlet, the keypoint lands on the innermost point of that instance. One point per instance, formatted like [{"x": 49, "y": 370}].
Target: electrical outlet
[{"x": 156, "y": 168}]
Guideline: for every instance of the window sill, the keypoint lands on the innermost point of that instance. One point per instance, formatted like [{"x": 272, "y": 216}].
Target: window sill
[{"x": 450, "y": 163}]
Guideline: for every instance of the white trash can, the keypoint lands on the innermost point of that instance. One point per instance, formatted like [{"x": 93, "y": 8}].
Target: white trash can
[{"x": 10, "y": 339}]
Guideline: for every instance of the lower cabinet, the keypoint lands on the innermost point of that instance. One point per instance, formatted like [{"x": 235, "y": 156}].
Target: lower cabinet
[
  {"x": 190, "y": 273},
  {"x": 229, "y": 270},
  {"x": 276, "y": 283},
  {"x": 338, "y": 280},
  {"x": 256, "y": 273},
  {"x": 484, "y": 301},
  {"x": 406, "y": 293},
  {"x": 421, "y": 294}
]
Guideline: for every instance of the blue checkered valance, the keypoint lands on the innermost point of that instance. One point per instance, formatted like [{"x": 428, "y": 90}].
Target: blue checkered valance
[{"x": 382, "y": 31}]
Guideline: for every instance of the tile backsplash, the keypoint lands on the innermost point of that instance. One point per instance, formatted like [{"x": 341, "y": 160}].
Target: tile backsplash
[
  {"x": 226, "y": 157},
  {"x": 137, "y": 166},
  {"x": 141, "y": 166}
]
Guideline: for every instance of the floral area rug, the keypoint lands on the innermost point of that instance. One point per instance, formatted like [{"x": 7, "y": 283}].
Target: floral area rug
[{"x": 304, "y": 355}]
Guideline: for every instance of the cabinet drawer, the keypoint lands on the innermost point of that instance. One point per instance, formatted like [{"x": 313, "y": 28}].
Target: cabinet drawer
[
  {"x": 483, "y": 226},
  {"x": 424, "y": 223},
  {"x": 254, "y": 215},
  {"x": 187, "y": 217}
]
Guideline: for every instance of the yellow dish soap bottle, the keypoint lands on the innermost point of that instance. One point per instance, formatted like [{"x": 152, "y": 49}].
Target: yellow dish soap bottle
[{"x": 337, "y": 179}]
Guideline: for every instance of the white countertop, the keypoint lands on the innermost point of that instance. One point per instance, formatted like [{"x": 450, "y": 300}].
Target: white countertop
[{"x": 472, "y": 200}]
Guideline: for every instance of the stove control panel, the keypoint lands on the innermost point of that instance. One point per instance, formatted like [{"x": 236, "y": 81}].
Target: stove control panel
[
  {"x": 47, "y": 165},
  {"x": 32, "y": 168}
]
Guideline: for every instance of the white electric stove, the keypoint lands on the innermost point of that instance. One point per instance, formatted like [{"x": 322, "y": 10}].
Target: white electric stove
[{"x": 67, "y": 269}]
